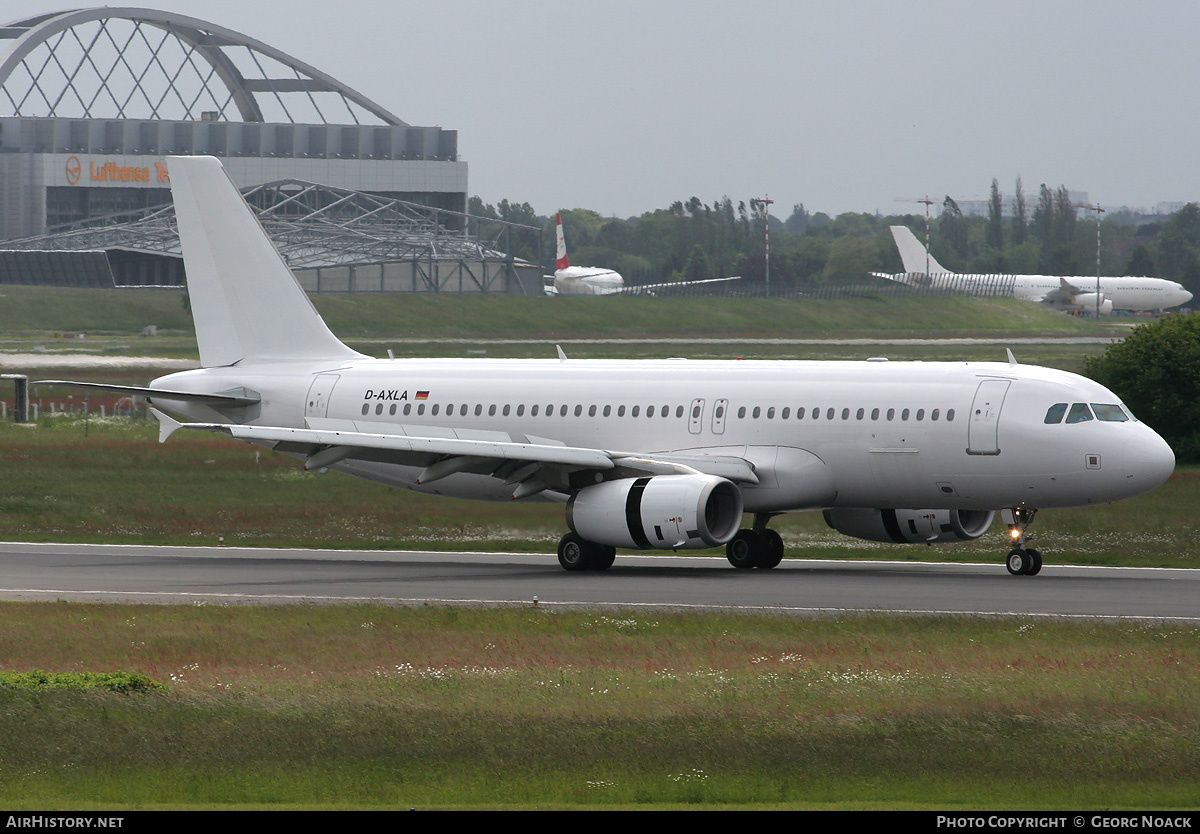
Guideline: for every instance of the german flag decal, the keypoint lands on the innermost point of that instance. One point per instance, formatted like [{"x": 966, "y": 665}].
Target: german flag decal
[{"x": 422, "y": 395}]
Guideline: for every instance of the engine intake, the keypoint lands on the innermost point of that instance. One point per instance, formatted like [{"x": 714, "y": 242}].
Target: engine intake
[
  {"x": 662, "y": 511},
  {"x": 910, "y": 526}
]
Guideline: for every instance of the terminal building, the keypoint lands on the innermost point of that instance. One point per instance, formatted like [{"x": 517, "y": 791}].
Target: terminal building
[{"x": 93, "y": 101}]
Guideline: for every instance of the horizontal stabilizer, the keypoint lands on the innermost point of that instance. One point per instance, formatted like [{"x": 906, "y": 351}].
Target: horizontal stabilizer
[{"x": 225, "y": 399}]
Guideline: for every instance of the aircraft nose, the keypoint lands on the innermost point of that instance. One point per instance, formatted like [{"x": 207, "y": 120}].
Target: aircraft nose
[
  {"x": 1149, "y": 461},
  {"x": 1184, "y": 294}
]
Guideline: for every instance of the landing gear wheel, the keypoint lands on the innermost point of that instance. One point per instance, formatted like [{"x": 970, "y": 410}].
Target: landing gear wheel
[
  {"x": 772, "y": 553},
  {"x": 575, "y": 553},
  {"x": 604, "y": 558},
  {"x": 1020, "y": 563},
  {"x": 1036, "y": 562},
  {"x": 745, "y": 549}
]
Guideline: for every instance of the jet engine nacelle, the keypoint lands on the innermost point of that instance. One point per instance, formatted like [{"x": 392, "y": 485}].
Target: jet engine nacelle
[
  {"x": 1086, "y": 302},
  {"x": 660, "y": 511},
  {"x": 911, "y": 526}
]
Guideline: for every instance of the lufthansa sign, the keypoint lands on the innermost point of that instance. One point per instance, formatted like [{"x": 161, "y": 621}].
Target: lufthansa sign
[{"x": 114, "y": 172}]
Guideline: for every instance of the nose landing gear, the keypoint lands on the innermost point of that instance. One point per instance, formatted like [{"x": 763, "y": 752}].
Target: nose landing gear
[{"x": 1022, "y": 560}]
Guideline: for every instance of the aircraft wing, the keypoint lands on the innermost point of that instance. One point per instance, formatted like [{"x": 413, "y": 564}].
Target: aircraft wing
[
  {"x": 1065, "y": 292},
  {"x": 532, "y": 467},
  {"x": 640, "y": 289}
]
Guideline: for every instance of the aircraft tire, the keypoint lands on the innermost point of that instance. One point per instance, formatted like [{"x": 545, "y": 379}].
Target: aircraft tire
[
  {"x": 574, "y": 553},
  {"x": 1035, "y": 562},
  {"x": 1019, "y": 562},
  {"x": 604, "y": 558},
  {"x": 772, "y": 553},
  {"x": 745, "y": 549}
]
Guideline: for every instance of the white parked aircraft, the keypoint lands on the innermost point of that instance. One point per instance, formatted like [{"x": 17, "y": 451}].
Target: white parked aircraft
[
  {"x": 1076, "y": 292},
  {"x": 645, "y": 454},
  {"x": 580, "y": 280},
  {"x": 593, "y": 280}
]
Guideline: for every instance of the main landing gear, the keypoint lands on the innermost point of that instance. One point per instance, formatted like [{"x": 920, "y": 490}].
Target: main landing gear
[
  {"x": 1022, "y": 560},
  {"x": 757, "y": 547},
  {"x": 576, "y": 553}
]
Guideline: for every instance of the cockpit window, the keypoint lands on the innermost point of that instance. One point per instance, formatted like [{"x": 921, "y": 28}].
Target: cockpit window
[
  {"x": 1056, "y": 412},
  {"x": 1109, "y": 413},
  {"x": 1079, "y": 413}
]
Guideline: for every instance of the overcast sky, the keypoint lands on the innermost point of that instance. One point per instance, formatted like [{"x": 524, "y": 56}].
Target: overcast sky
[{"x": 625, "y": 106}]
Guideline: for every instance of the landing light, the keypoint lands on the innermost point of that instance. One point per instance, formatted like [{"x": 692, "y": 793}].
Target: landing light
[{"x": 1014, "y": 533}]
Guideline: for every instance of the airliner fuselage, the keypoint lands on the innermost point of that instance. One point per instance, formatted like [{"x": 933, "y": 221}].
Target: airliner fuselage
[{"x": 819, "y": 434}]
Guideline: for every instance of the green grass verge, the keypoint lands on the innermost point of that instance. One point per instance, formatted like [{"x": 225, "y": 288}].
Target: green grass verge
[
  {"x": 112, "y": 482},
  {"x": 36, "y": 312},
  {"x": 369, "y": 706}
]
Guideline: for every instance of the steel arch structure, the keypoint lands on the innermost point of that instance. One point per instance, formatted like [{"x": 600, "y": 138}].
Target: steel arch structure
[{"x": 125, "y": 62}]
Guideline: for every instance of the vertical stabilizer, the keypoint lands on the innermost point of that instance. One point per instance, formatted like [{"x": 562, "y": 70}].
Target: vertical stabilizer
[
  {"x": 247, "y": 305},
  {"x": 912, "y": 253},
  {"x": 561, "y": 255}
]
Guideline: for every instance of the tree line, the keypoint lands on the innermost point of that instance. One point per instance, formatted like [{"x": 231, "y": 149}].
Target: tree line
[{"x": 689, "y": 240}]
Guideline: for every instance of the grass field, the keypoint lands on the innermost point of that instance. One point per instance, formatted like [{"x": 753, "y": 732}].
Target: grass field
[
  {"x": 29, "y": 312},
  {"x": 369, "y": 706}
]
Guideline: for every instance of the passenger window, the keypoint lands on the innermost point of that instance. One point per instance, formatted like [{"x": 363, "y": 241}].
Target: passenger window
[
  {"x": 407, "y": 409},
  {"x": 904, "y": 414},
  {"x": 679, "y": 411},
  {"x": 1055, "y": 413},
  {"x": 695, "y": 411},
  {"x": 920, "y": 414},
  {"x": 620, "y": 411},
  {"x": 742, "y": 413},
  {"x": 829, "y": 413},
  {"x": 607, "y": 410},
  {"x": 1079, "y": 413},
  {"x": 506, "y": 407},
  {"x": 521, "y": 410},
  {"x": 562, "y": 411},
  {"x": 649, "y": 411},
  {"x": 578, "y": 410},
  {"x": 532, "y": 412},
  {"x": 891, "y": 414},
  {"x": 874, "y": 413},
  {"x": 720, "y": 411},
  {"x": 462, "y": 410},
  {"x": 432, "y": 411},
  {"x": 492, "y": 410},
  {"x": 479, "y": 410},
  {"x": 366, "y": 408},
  {"x": 421, "y": 409},
  {"x": 858, "y": 415},
  {"x": 845, "y": 414},
  {"x": 757, "y": 411},
  {"x": 783, "y": 415},
  {"x": 771, "y": 413},
  {"x": 800, "y": 413},
  {"x": 592, "y": 411},
  {"x": 1109, "y": 413},
  {"x": 949, "y": 415},
  {"x": 392, "y": 410},
  {"x": 635, "y": 411},
  {"x": 934, "y": 415}
]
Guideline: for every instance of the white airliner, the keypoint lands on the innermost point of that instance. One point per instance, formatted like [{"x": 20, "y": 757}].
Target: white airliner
[
  {"x": 1077, "y": 292},
  {"x": 581, "y": 280},
  {"x": 592, "y": 280},
  {"x": 646, "y": 454}
]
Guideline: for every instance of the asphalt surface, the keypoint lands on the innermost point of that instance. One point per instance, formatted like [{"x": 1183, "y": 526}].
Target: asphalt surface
[{"x": 146, "y": 574}]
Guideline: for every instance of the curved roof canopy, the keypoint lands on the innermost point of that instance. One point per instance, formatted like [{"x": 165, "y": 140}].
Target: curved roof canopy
[{"x": 130, "y": 63}]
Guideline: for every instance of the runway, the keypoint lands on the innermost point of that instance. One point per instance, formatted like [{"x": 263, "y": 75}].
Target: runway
[{"x": 233, "y": 575}]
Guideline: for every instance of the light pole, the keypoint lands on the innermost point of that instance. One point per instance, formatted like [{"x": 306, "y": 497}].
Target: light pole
[{"x": 766, "y": 204}]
